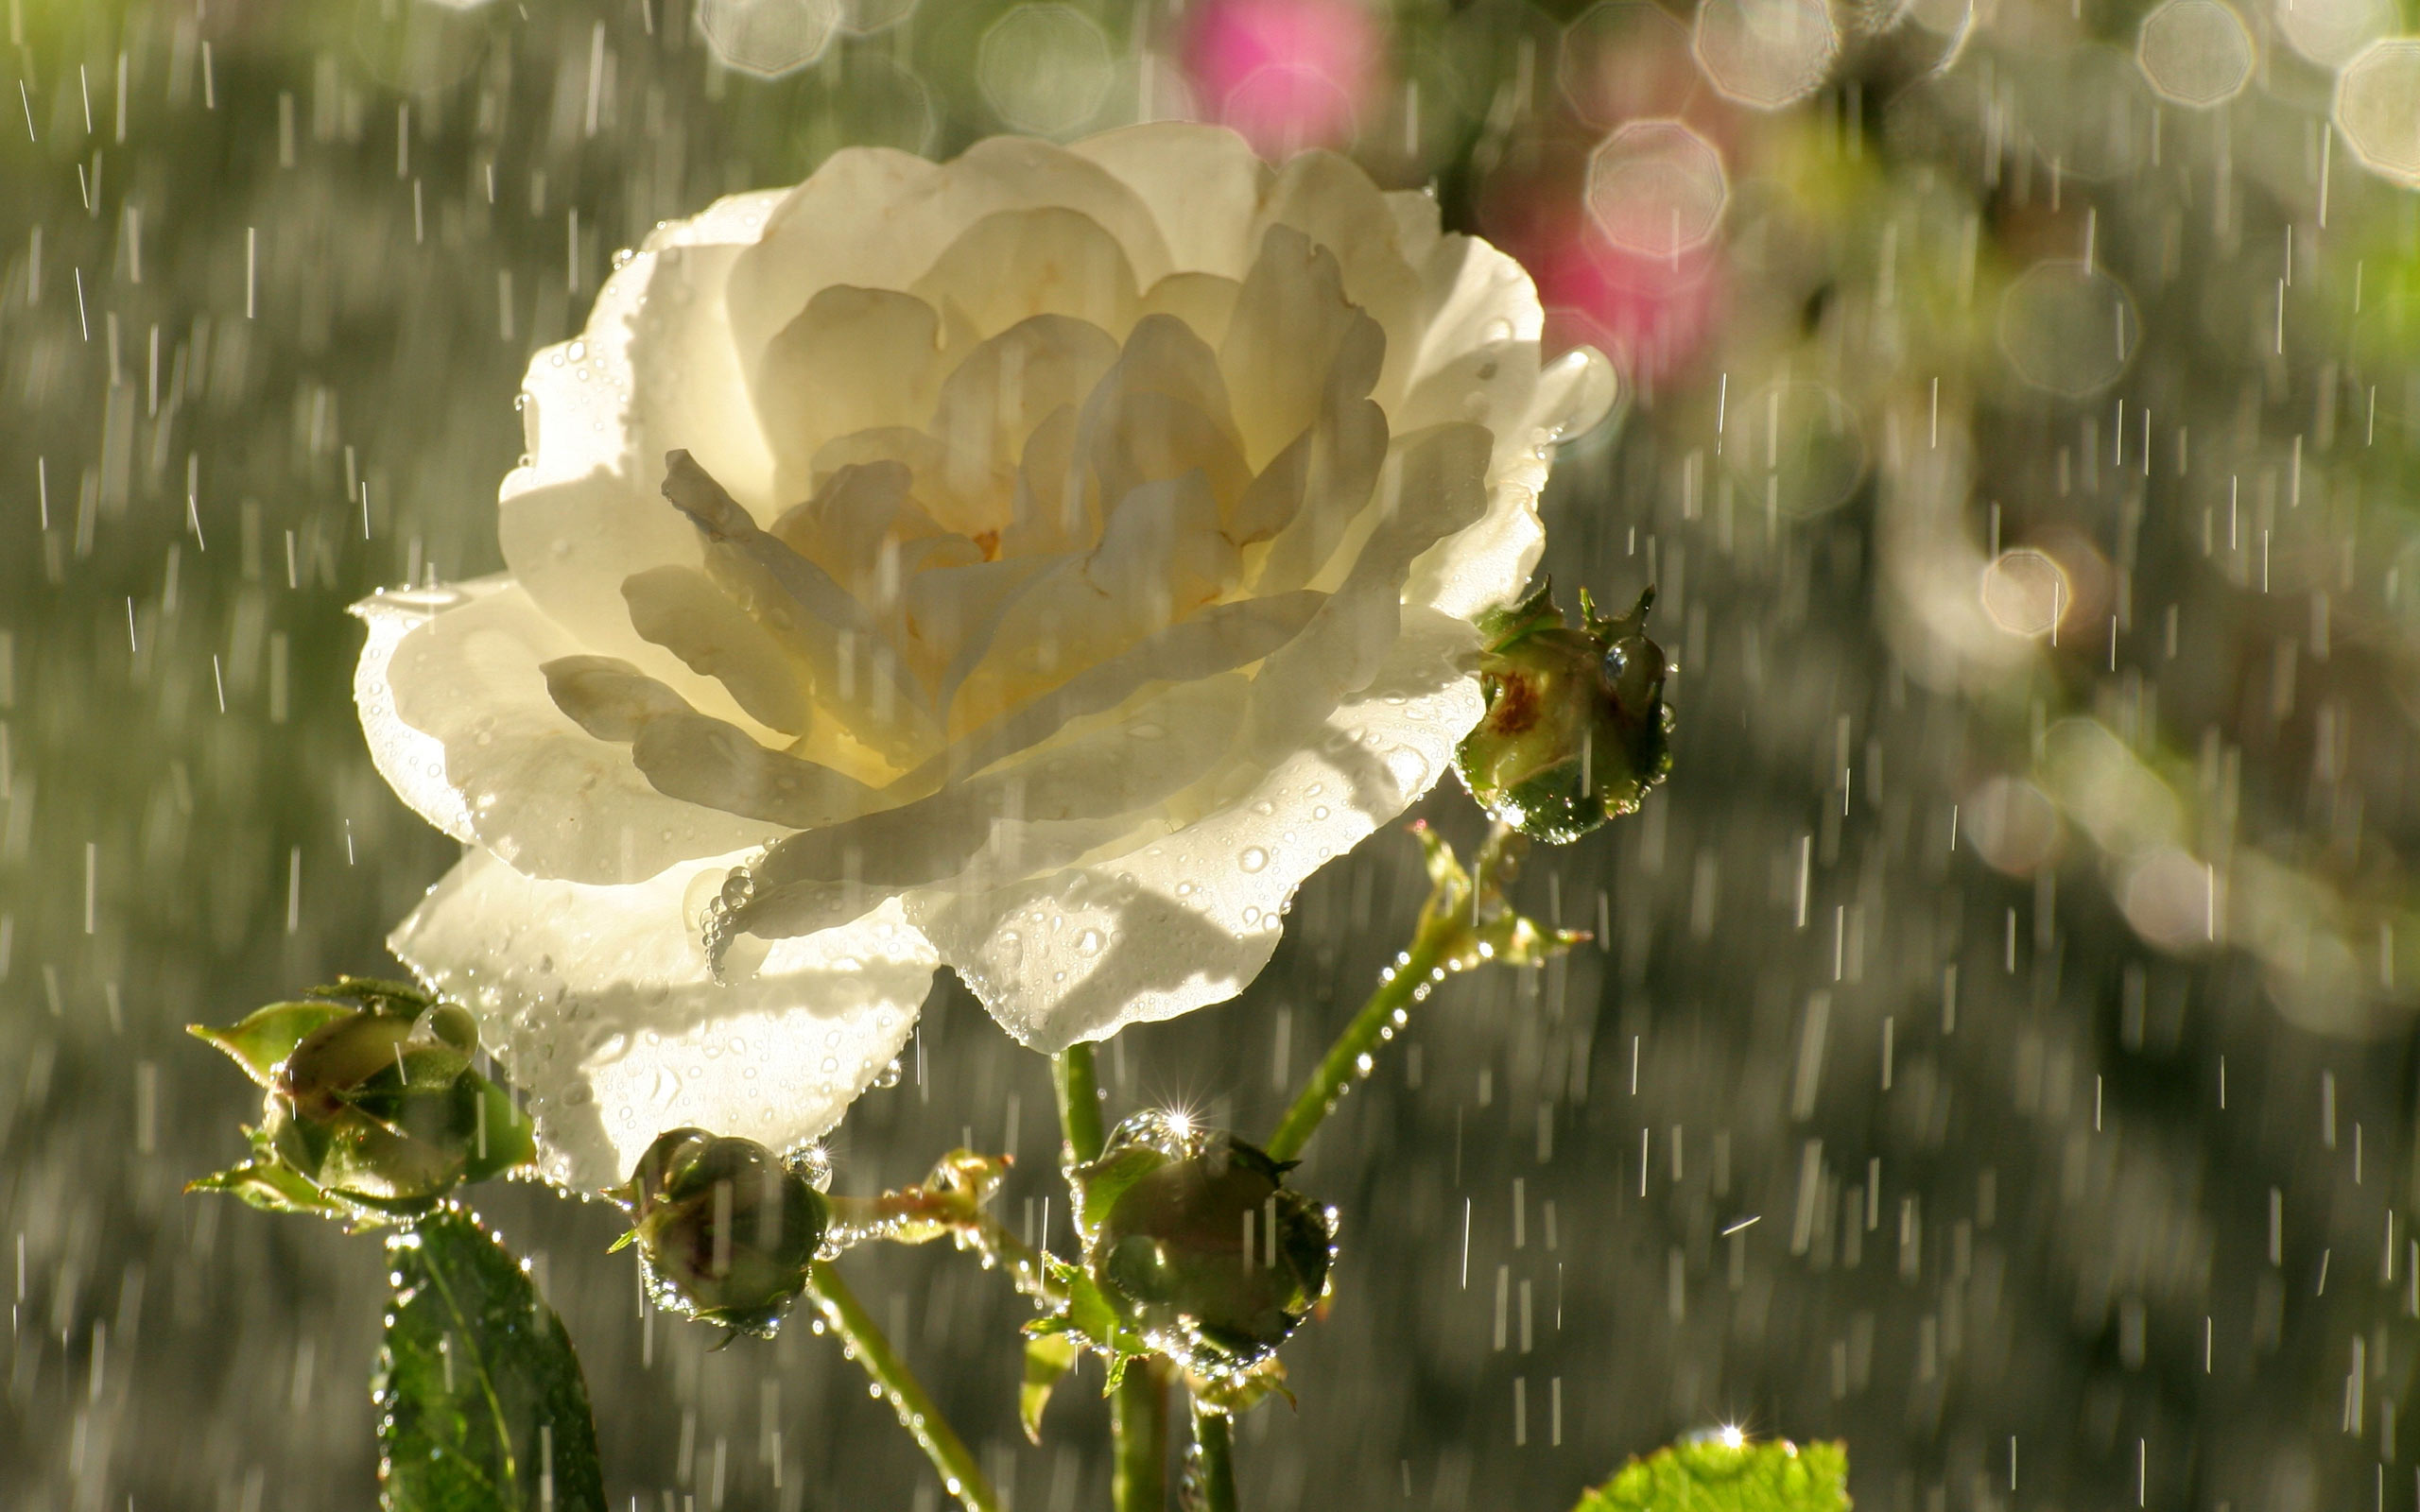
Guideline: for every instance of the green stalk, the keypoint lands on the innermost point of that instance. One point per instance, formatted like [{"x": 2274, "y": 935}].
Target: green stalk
[
  {"x": 1349, "y": 1058},
  {"x": 1214, "y": 1450},
  {"x": 1138, "y": 1420},
  {"x": 918, "y": 1413},
  {"x": 1072, "y": 1078}
]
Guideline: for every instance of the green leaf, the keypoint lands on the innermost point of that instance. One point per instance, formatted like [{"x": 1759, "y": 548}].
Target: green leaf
[
  {"x": 480, "y": 1401},
  {"x": 1047, "y": 1356},
  {"x": 1727, "y": 1473},
  {"x": 267, "y": 1035}
]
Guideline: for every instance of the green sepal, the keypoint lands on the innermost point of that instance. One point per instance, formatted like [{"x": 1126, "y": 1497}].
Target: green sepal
[
  {"x": 377, "y": 994},
  {"x": 373, "y": 1107},
  {"x": 1576, "y": 729},
  {"x": 1095, "y": 1187},
  {"x": 481, "y": 1404},
  {"x": 271, "y": 1188},
  {"x": 1503, "y": 628},
  {"x": 265, "y": 1037},
  {"x": 1485, "y": 928},
  {"x": 1618, "y": 627},
  {"x": 1235, "y": 1394},
  {"x": 266, "y": 1181},
  {"x": 1725, "y": 1473},
  {"x": 726, "y": 1230},
  {"x": 1048, "y": 1358},
  {"x": 511, "y": 1139},
  {"x": 1092, "y": 1320}
]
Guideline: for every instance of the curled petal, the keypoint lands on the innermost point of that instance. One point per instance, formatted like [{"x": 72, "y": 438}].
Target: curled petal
[
  {"x": 680, "y": 609},
  {"x": 413, "y": 761},
  {"x": 698, "y": 760},
  {"x": 599, "y": 1000},
  {"x": 1190, "y": 917},
  {"x": 533, "y": 787}
]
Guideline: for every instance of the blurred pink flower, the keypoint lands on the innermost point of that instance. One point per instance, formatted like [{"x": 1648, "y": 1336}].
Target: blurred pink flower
[
  {"x": 1651, "y": 315},
  {"x": 1287, "y": 74}
]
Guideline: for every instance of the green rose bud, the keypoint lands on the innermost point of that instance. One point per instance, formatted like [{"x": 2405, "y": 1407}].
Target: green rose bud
[
  {"x": 374, "y": 1106},
  {"x": 1198, "y": 1239},
  {"x": 725, "y": 1227},
  {"x": 1576, "y": 727}
]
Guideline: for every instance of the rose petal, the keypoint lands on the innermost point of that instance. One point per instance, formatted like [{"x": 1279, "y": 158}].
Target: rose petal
[
  {"x": 1433, "y": 486},
  {"x": 994, "y": 402},
  {"x": 854, "y": 359},
  {"x": 795, "y": 879},
  {"x": 680, "y": 609},
  {"x": 1202, "y": 182},
  {"x": 879, "y": 220},
  {"x": 860, "y": 514},
  {"x": 571, "y": 546},
  {"x": 1490, "y": 563},
  {"x": 1419, "y": 223},
  {"x": 1161, "y": 558},
  {"x": 1329, "y": 199},
  {"x": 1013, "y": 265},
  {"x": 1295, "y": 340},
  {"x": 600, "y": 1005},
  {"x": 411, "y": 760},
  {"x": 1306, "y": 500},
  {"x": 1162, "y": 411},
  {"x": 1081, "y": 789},
  {"x": 1204, "y": 301},
  {"x": 687, "y": 756},
  {"x": 799, "y": 604},
  {"x": 1191, "y": 918},
  {"x": 534, "y": 787}
]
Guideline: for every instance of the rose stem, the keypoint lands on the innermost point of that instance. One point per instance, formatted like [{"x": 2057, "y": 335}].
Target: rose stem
[
  {"x": 961, "y": 1476},
  {"x": 1079, "y": 1089},
  {"x": 1443, "y": 919},
  {"x": 1138, "y": 1411},
  {"x": 856, "y": 1220},
  {"x": 1214, "y": 1447},
  {"x": 1138, "y": 1420},
  {"x": 1348, "y": 1060}
]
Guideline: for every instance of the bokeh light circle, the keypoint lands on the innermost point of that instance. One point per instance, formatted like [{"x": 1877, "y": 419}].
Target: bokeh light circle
[
  {"x": 2195, "y": 52},
  {"x": 2068, "y": 327},
  {"x": 1656, "y": 188},
  {"x": 2011, "y": 824},
  {"x": 2026, "y": 592},
  {"x": 1044, "y": 68},
  {"x": 1625, "y": 60},
  {"x": 1797, "y": 448},
  {"x": 862, "y": 17},
  {"x": 2377, "y": 108},
  {"x": 1765, "y": 53},
  {"x": 1287, "y": 74},
  {"x": 2169, "y": 898},
  {"x": 767, "y": 37},
  {"x": 2332, "y": 32}
]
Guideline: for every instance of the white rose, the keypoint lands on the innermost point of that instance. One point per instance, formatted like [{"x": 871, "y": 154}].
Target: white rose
[{"x": 1078, "y": 550}]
